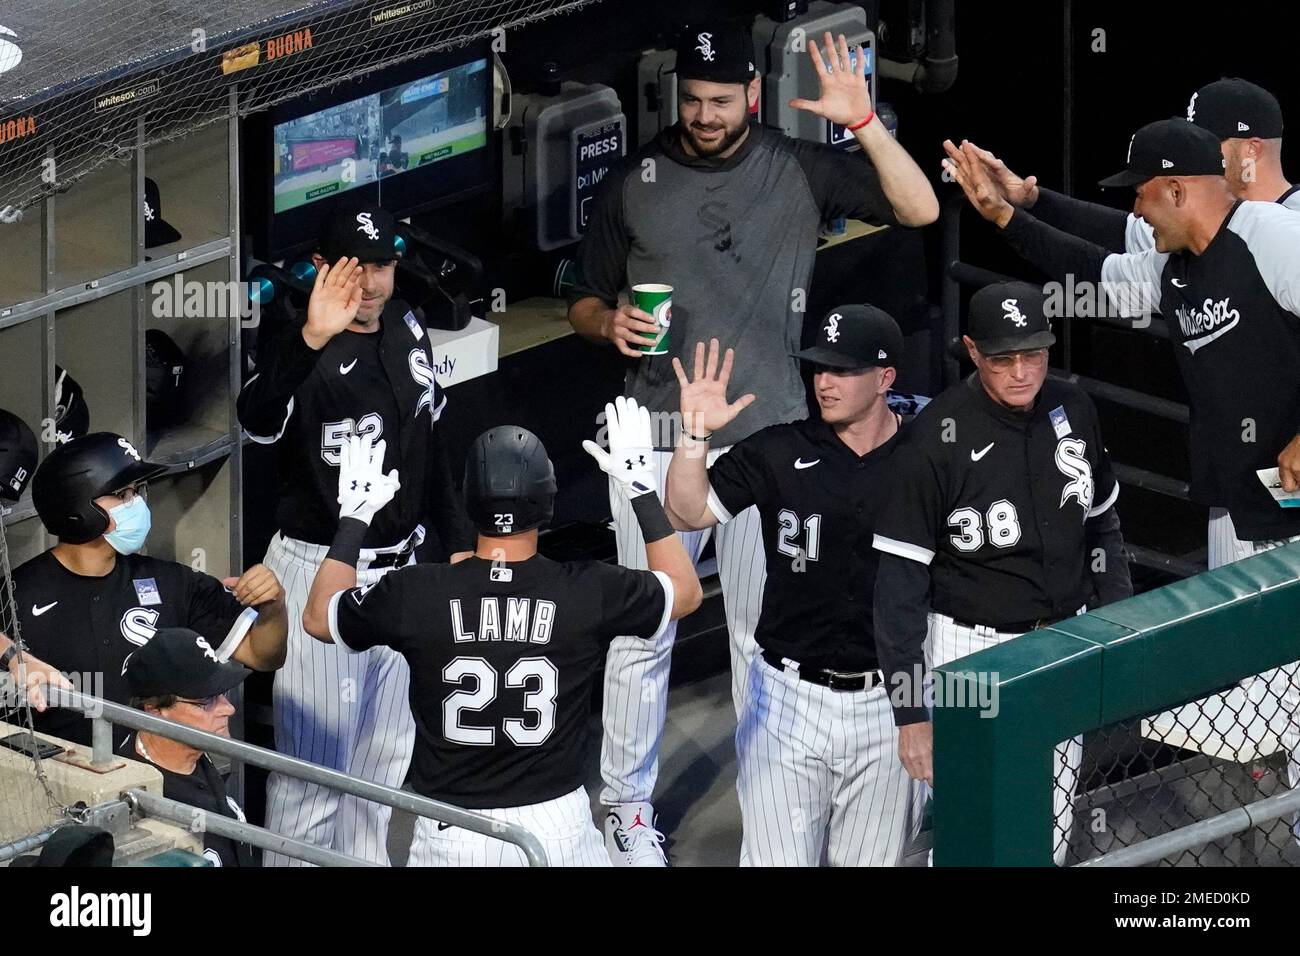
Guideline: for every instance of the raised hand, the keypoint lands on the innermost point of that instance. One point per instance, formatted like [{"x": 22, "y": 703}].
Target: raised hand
[
  {"x": 1020, "y": 192},
  {"x": 980, "y": 189},
  {"x": 363, "y": 487},
  {"x": 334, "y": 301},
  {"x": 630, "y": 459},
  {"x": 844, "y": 98},
  {"x": 704, "y": 403}
]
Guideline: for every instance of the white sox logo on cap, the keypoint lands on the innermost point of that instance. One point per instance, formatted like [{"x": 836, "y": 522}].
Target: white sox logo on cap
[
  {"x": 129, "y": 448},
  {"x": 705, "y": 46},
  {"x": 833, "y": 327},
  {"x": 1012, "y": 312},
  {"x": 204, "y": 646},
  {"x": 1191, "y": 106},
  {"x": 367, "y": 226}
]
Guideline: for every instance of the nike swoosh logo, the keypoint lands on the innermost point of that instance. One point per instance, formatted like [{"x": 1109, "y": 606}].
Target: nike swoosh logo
[
  {"x": 444, "y": 826},
  {"x": 38, "y": 611},
  {"x": 1179, "y": 285},
  {"x": 800, "y": 464},
  {"x": 344, "y": 369},
  {"x": 977, "y": 455}
]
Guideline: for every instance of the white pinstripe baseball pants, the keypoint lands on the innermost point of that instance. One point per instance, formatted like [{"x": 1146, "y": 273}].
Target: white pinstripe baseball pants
[
  {"x": 818, "y": 766},
  {"x": 563, "y": 825},
  {"x": 947, "y": 641},
  {"x": 636, "y": 671},
  {"x": 348, "y": 712}
]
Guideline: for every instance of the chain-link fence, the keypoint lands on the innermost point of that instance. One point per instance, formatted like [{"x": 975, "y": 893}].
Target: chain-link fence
[{"x": 1146, "y": 777}]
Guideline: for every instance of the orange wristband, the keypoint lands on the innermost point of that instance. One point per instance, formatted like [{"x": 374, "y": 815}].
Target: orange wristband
[{"x": 856, "y": 126}]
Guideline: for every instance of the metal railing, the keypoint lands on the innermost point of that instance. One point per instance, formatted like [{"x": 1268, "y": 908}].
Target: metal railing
[{"x": 106, "y": 714}]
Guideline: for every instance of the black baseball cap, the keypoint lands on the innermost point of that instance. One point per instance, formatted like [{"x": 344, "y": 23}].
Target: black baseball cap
[
  {"x": 1009, "y": 317},
  {"x": 856, "y": 336},
  {"x": 718, "y": 51},
  {"x": 179, "y": 661},
  {"x": 367, "y": 232},
  {"x": 1169, "y": 147},
  {"x": 157, "y": 230},
  {"x": 1233, "y": 108}
]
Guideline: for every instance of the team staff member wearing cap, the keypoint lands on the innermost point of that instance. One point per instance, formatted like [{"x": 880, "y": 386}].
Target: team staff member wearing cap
[
  {"x": 177, "y": 676},
  {"x": 1225, "y": 274},
  {"x": 730, "y": 221},
  {"x": 87, "y": 603},
  {"x": 360, "y": 364},
  {"x": 1246, "y": 118},
  {"x": 504, "y": 647},
  {"x": 816, "y": 745},
  {"x": 998, "y": 499}
]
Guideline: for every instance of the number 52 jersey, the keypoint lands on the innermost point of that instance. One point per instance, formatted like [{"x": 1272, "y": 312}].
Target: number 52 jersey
[
  {"x": 503, "y": 658},
  {"x": 994, "y": 501}
]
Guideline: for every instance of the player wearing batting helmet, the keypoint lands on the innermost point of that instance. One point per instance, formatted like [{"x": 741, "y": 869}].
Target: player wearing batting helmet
[
  {"x": 1000, "y": 520},
  {"x": 89, "y": 602},
  {"x": 816, "y": 745},
  {"x": 504, "y": 646}
]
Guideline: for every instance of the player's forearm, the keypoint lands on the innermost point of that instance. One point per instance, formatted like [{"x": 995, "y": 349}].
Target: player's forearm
[
  {"x": 268, "y": 639},
  {"x": 263, "y": 402},
  {"x": 590, "y": 319},
  {"x": 1111, "y": 578},
  {"x": 1088, "y": 220},
  {"x": 901, "y": 603},
  {"x": 1054, "y": 252},
  {"x": 686, "y": 492},
  {"x": 338, "y": 572},
  {"x": 909, "y": 193},
  {"x": 664, "y": 553}
]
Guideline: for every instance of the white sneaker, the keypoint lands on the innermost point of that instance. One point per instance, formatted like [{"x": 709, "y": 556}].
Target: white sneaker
[{"x": 629, "y": 839}]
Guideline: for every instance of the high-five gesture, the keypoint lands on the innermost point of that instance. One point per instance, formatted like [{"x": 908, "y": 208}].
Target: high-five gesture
[
  {"x": 844, "y": 98},
  {"x": 363, "y": 487},
  {"x": 704, "y": 403},
  {"x": 334, "y": 301}
]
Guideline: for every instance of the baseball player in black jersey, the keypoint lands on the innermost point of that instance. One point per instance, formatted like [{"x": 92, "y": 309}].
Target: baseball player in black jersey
[
  {"x": 504, "y": 647},
  {"x": 88, "y": 603},
  {"x": 816, "y": 745},
  {"x": 1225, "y": 274},
  {"x": 1247, "y": 119},
  {"x": 1000, "y": 520},
  {"x": 359, "y": 365}
]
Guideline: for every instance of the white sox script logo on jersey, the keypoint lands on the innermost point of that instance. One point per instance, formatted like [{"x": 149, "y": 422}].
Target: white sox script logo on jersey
[
  {"x": 1202, "y": 326},
  {"x": 705, "y": 46},
  {"x": 367, "y": 226},
  {"x": 833, "y": 327},
  {"x": 1072, "y": 463},
  {"x": 423, "y": 375},
  {"x": 1011, "y": 310},
  {"x": 138, "y": 625}
]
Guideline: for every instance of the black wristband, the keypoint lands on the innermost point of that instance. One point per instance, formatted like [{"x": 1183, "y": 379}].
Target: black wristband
[
  {"x": 650, "y": 516},
  {"x": 347, "y": 541},
  {"x": 697, "y": 437}
]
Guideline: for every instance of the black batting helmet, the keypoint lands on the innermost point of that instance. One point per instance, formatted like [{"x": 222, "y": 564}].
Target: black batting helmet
[
  {"x": 509, "y": 482},
  {"x": 73, "y": 475},
  {"x": 17, "y": 455}
]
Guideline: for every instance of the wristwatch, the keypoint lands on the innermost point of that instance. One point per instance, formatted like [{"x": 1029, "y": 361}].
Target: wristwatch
[{"x": 9, "y": 655}]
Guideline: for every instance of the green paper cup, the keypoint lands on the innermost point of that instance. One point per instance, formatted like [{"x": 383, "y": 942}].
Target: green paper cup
[{"x": 658, "y": 301}]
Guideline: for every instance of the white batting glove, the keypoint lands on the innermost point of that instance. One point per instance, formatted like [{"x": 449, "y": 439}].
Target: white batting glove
[
  {"x": 363, "y": 486},
  {"x": 630, "y": 459}
]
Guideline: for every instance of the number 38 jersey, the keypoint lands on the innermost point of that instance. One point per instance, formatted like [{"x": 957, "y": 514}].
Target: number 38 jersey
[
  {"x": 995, "y": 501},
  {"x": 503, "y": 657}
]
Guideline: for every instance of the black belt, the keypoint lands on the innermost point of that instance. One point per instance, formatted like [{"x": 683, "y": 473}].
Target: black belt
[
  {"x": 1016, "y": 627},
  {"x": 824, "y": 677},
  {"x": 394, "y": 558}
]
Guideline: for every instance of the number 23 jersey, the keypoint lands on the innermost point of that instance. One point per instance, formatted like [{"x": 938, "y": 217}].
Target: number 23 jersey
[
  {"x": 994, "y": 501},
  {"x": 503, "y": 659}
]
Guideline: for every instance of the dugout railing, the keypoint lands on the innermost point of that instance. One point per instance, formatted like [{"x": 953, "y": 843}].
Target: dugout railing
[
  {"x": 1115, "y": 666},
  {"x": 106, "y": 714}
]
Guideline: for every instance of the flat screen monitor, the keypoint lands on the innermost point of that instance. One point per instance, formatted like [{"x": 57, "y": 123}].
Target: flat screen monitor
[{"x": 410, "y": 137}]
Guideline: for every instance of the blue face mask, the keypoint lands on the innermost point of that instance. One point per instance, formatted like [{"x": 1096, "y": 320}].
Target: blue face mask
[{"x": 133, "y": 522}]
